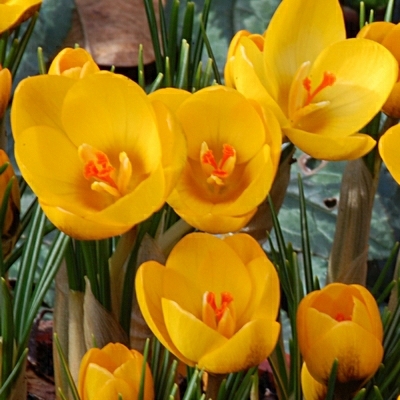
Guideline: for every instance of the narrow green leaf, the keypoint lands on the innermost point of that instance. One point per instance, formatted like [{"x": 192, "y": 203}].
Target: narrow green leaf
[
  {"x": 170, "y": 382},
  {"x": 157, "y": 83},
  {"x": 3, "y": 46},
  {"x": 192, "y": 385},
  {"x": 6, "y": 387},
  {"x": 183, "y": 67},
  {"x": 151, "y": 19},
  {"x": 210, "y": 53},
  {"x": 187, "y": 29},
  {"x": 26, "y": 274},
  {"x": 67, "y": 372},
  {"x": 163, "y": 28},
  {"x": 377, "y": 393},
  {"x": 173, "y": 36},
  {"x": 7, "y": 332},
  {"x": 360, "y": 395},
  {"x": 47, "y": 275},
  {"x": 143, "y": 372},
  {"x": 41, "y": 62},
  {"x": 305, "y": 239},
  {"x": 23, "y": 43},
  {"x": 103, "y": 254},
  {"x": 141, "y": 77},
  {"x": 383, "y": 274},
  {"x": 389, "y": 11},
  {"x": 332, "y": 381},
  {"x": 362, "y": 14}
]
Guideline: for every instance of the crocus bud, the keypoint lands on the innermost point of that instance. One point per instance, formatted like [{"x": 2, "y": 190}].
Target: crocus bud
[
  {"x": 113, "y": 372},
  {"x": 11, "y": 220},
  {"x": 5, "y": 90},
  {"x": 340, "y": 322}
]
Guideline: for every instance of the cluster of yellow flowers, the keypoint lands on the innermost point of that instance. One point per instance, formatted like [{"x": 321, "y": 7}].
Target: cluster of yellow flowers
[{"x": 102, "y": 156}]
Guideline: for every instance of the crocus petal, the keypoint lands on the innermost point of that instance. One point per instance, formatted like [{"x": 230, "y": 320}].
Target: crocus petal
[
  {"x": 358, "y": 359},
  {"x": 38, "y": 100},
  {"x": 391, "y": 41},
  {"x": 126, "y": 372},
  {"x": 5, "y": 85},
  {"x": 149, "y": 289},
  {"x": 316, "y": 326},
  {"x": 265, "y": 289},
  {"x": 244, "y": 247},
  {"x": 73, "y": 63},
  {"x": 173, "y": 145},
  {"x": 249, "y": 78},
  {"x": 248, "y": 347},
  {"x": 205, "y": 251},
  {"x": 171, "y": 97},
  {"x": 237, "y": 123},
  {"x": 214, "y": 223},
  {"x": 388, "y": 148},
  {"x": 332, "y": 148},
  {"x": 286, "y": 49},
  {"x": 114, "y": 389},
  {"x": 14, "y": 12},
  {"x": 359, "y": 91},
  {"x": 373, "y": 311},
  {"x": 229, "y": 71},
  {"x": 125, "y": 110},
  {"x": 96, "y": 377},
  {"x": 77, "y": 212},
  {"x": 177, "y": 321},
  {"x": 312, "y": 389},
  {"x": 376, "y": 31},
  {"x": 392, "y": 105}
]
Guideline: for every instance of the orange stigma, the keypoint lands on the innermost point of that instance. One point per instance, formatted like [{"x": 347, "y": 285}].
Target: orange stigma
[
  {"x": 217, "y": 171},
  {"x": 340, "y": 317},
  {"x": 226, "y": 299},
  {"x": 100, "y": 168},
  {"x": 328, "y": 80},
  {"x": 104, "y": 176}
]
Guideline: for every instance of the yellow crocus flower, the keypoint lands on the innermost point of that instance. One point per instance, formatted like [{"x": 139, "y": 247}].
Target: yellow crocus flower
[
  {"x": 111, "y": 372},
  {"x": 340, "y": 322},
  {"x": 99, "y": 156},
  {"x": 389, "y": 145},
  {"x": 15, "y": 12},
  {"x": 322, "y": 88},
  {"x": 74, "y": 63},
  {"x": 5, "y": 89},
  {"x": 11, "y": 221},
  {"x": 233, "y": 153},
  {"x": 214, "y": 303},
  {"x": 388, "y": 35}
]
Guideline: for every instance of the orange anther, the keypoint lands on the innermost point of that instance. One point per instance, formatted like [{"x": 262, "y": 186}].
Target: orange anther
[
  {"x": 328, "y": 80},
  {"x": 208, "y": 158}
]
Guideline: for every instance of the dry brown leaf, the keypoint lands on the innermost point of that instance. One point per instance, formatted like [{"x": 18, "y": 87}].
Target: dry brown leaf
[{"x": 114, "y": 29}]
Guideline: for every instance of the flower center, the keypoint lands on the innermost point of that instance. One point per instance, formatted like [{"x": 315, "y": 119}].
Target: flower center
[
  {"x": 217, "y": 172},
  {"x": 222, "y": 318},
  {"x": 340, "y": 317},
  {"x": 105, "y": 177},
  {"x": 301, "y": 96},
  {"x": 328, "y": 80}
]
